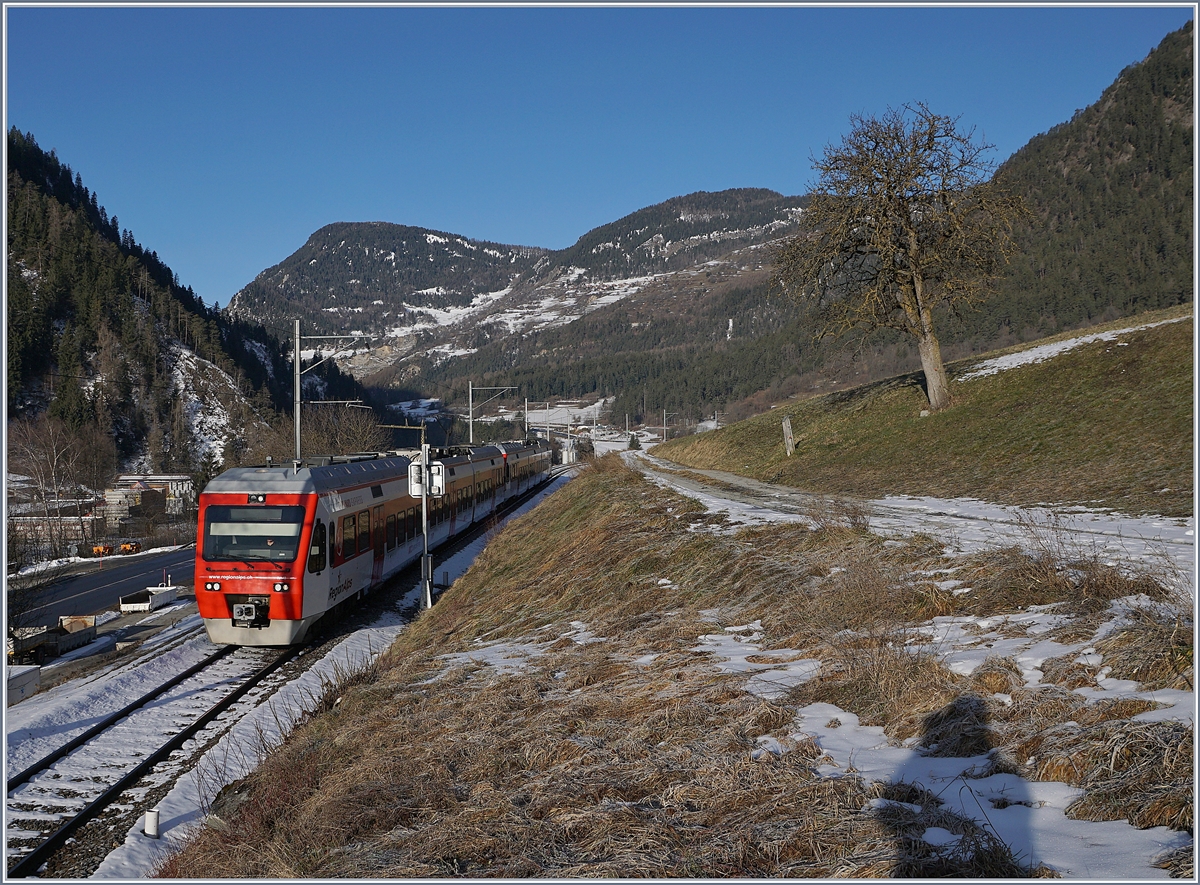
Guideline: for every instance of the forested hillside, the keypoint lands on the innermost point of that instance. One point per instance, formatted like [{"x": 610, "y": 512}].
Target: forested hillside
[
  {"x": 682, "y": 232},
  {"x": 683, "y": 344},
  {"x": 1112, "y": 196},
  {"x": 99, "y": 327}
]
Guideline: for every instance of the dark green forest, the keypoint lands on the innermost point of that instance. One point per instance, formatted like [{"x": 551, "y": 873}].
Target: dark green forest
[{"x": 1112, "y": 197}]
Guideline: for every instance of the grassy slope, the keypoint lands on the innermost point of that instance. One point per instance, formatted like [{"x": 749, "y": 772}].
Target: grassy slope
[
  {"x": 1102, "y": 424},
  {"x": 634, "y": 755}
]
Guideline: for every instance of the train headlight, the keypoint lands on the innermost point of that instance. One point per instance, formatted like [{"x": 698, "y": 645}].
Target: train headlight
[
  {"x": 213, "y": 585},
  {"x": 280, "y": 587}
]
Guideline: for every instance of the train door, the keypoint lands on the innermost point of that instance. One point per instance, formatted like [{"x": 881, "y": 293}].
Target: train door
[{"x": 377, "y": 527}]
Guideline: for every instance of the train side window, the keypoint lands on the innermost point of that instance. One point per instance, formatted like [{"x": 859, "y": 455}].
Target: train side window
[
  {"x": 348, "y": 536},
  {"x": 391, "y": 531},
  {"x": 364, "y": 531},
  {"x": 316, "y": 550}
]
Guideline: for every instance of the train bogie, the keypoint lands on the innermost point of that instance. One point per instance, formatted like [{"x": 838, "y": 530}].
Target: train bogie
[{"x": 280, "y": 546}]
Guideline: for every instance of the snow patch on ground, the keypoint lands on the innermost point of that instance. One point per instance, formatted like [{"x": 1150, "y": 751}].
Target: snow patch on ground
[{"x": 1047, "y": 351}]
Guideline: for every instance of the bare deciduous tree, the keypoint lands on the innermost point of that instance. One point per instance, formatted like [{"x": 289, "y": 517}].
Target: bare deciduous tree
[
  {"x": 904, "y": 218},
  {"x": 341, "y": 430},
  {"x": 324, "y": 430},
  {"x": 45, "y": 450}
]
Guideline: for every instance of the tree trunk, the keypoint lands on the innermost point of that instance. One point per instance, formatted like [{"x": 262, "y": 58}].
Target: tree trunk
[
  {"x": 920, "y": 324},
  {"x": 937, "y": 386}
]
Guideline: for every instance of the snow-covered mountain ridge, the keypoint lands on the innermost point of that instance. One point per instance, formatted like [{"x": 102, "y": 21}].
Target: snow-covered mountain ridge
[{"x": 445, "y": 294}]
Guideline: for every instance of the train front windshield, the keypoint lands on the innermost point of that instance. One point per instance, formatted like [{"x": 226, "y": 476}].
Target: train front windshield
[{"x": 238, "y": 534}]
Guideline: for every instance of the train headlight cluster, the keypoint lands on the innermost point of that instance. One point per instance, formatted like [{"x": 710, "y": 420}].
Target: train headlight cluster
[
  {"x": 212, "y": 585},
  {"x": 280, "y": 586}
]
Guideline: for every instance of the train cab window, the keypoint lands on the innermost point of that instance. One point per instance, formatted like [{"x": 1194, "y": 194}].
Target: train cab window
[
  {"x": 240, "y": 534},
  {"x": 348, "y": 537},
  {"x": 391, "y": 531},
  {"x": 364, "y": 531},
  {"x": 316, "y": 549}
]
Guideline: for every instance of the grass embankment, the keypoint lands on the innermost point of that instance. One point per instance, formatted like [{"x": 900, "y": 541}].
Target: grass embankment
[
  {"x": 615, "y": 747},
  {"x": 1107, "y": 424}
]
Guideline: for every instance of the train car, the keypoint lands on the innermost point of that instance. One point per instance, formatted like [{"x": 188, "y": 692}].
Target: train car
[{"x": 279, "y": 546}]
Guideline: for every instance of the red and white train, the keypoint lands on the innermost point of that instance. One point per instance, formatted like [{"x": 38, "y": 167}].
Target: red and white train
[{"x": 281, "y": 545}]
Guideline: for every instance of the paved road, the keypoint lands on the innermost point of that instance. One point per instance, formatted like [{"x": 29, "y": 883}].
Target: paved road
[{"x": 101, "y": 588}]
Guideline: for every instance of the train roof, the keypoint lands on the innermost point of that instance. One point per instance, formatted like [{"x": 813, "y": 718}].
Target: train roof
[
  {"x": 327, "y": 473},
  {"x": 313, "y": 475}
]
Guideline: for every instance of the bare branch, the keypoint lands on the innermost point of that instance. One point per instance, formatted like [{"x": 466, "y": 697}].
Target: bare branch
[{"x": 904, "y": 218}]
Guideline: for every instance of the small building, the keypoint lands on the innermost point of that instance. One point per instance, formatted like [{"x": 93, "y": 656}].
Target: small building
[{"x": 147, "y": 495}]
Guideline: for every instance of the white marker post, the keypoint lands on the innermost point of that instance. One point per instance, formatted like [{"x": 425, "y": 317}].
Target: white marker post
[
  {"x": 418, "y": 477},
  {"x": 426, "y": 561}
]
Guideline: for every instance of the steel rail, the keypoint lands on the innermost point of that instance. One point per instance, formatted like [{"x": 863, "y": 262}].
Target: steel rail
[
  {"x": 103, "y": 725},
  {"x": 29, "y": 864}
]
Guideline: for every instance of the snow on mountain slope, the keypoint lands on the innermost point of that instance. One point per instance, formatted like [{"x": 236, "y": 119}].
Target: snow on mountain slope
[
  {"x": 417, "y": 292},
  {"x": 209, "y": 399}
]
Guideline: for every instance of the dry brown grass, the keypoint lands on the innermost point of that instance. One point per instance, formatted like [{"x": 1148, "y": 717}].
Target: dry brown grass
[
  {"x": 1152, "y": 647},
  {"x": 633, "y": 756},
  {"x": 882, "y": 684},
  {"x": 1138, "y": 771}
]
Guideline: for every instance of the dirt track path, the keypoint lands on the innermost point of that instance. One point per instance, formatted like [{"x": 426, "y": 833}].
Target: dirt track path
[{"x": 1161, "y": 544}]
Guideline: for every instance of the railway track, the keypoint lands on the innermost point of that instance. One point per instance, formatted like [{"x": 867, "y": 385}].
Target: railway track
[
  {"x": 53, "y": 798},
  {"x": 114, "y": 762}
]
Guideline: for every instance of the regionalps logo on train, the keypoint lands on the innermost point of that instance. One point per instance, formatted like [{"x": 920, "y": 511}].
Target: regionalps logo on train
[{"x": 281, "y": 545}]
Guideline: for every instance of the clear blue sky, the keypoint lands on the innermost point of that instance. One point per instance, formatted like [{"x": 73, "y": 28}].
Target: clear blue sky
[{"x": 222, "y": 137}]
